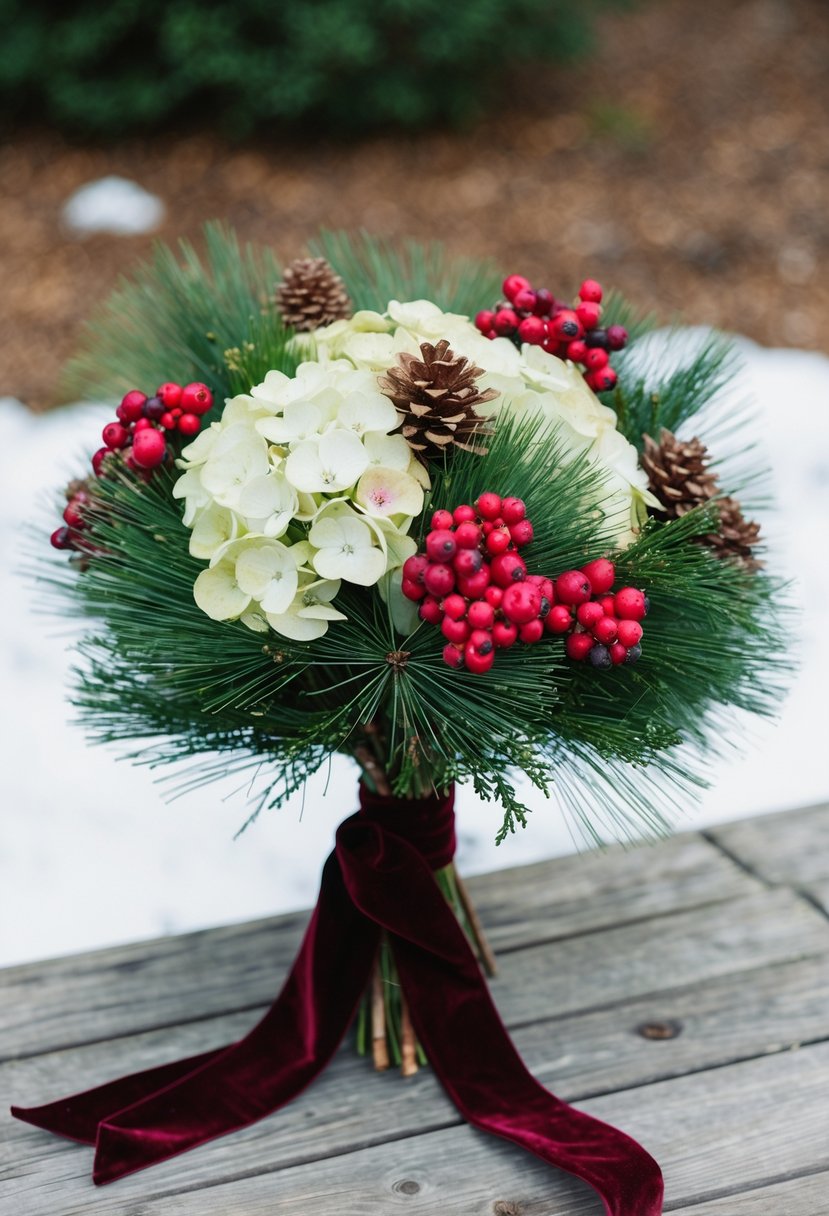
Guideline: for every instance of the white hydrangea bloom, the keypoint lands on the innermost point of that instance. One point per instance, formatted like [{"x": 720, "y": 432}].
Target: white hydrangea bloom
[{"x": 298, "y": 487}]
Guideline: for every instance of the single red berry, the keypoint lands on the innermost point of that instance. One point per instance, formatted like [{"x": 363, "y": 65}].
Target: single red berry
[
  {"x": 480, "y": 640},
  {"x": 484, "y": 320},
  {"x": 477, "y": 662},
  {"x": 531, "y": 632},
  {"x": 61, "y": 539},
  {"x": 508, "y": 568},
  {"x": 532, "y": 330},
  {"x": 474, "y": 586},
  {"x": 577, "y": 350},
  {"x": 521, "y": 603},
  {"x": 629, "y": 604},
  {"x": 608, "y": 604},
  {"x": 596, "y": 359},
  {"x": 559, "y": 619},
  {"x": 114, "y": 435},
  {"x": 618, "y": 653},
  {"x": 454, "y": 631},
  {"x": 506, "y": 322},
  {"x": 415, "y": 567},
  {"x": 148, "y": 449},
  {"x": 189, "y": 424},
  {"x": 411, "y": 589},
  {"x": 588, "y": 614},
  {"x": 143, "y": 424},
  {"x": 73, "y": 514},
  {"x": 453, "y": 655},
  {"x": 588, "y": 313},
  {"x": 168, "y": 420},
  {"x": 196, "y": 398},
  {"x": 498, "y": 541},
  {"x": 513, "y": 510},
  {"x": 545, "y": 586},
  {"x": 487, "y": 526},
  {"x": 467, "y": 562},
  {"x": 521, "y": 533},
  {"x": 524, "y": 300},
  {"x": 439, "y": 579},
  {"x": 543, "y": 302},
  {"x": 572, "y": 587},
  {"x": 98, "y": 461},
  {"x": 602, "y": 381},
  {"x": 617, "y": 337},
  {"x": 467, "y": 534},
  {"x": 132, "y": 403},
  {"x": 463, "y": 515},
  {"x": 579, "y": 645},
  {"x": 493, "y": 595},
  {"x": 480, "y": 614},
  {"x": 605, "y": 630},
  {"x": 630, "y": 633},
  {"x": 565, "y": 326},
  {"x": 591, "y": 290},
  {"x": 430, "y": 610},
  {"x": 600, "y": 574},
  {"x": 170, "y": 394},
  {"x": 514, "y": 283},
  {"x": 441, "y": 545},
  {"x": 454, "y": 606},
  {"x": 504, "y": 634},
  {"x": 442, "y": 520},
  {"x": 488, "y": 505}
]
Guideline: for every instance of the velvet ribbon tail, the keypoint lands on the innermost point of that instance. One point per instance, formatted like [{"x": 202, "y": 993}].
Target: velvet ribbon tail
[{"x": 380, "y": 877}]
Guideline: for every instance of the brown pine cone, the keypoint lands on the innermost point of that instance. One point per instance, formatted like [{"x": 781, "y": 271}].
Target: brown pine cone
[
  {"x": 311, "y": 294},
  {"x": 678, "y": 472}
]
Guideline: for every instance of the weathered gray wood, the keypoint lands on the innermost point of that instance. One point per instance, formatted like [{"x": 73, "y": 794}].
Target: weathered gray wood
[
  {"x": 791, "y": 847},
  {"x": 136, "y": 988},
  {"x": 715, "y": 1133},
  {"x": 806, "y": 1196},
  {"x": 732, "y": 1018},
  {"x": 596, "y": 890}
]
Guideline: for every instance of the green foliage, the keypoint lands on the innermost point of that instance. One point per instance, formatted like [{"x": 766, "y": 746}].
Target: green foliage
[{"x": 244, "y": 65}]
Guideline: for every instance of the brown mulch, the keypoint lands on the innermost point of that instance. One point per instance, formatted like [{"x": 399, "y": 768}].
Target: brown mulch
[{"x": 686, "y": 163}]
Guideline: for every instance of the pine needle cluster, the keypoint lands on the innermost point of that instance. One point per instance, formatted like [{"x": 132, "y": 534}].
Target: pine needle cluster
[{"x": 620, "y": 750}]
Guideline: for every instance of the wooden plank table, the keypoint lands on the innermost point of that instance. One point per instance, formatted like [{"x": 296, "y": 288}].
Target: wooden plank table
[{"x": 679, "y": 991}]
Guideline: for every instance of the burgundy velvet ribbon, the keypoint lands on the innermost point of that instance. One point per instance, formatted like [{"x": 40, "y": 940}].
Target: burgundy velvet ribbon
[{"x": 379, "y": 877}]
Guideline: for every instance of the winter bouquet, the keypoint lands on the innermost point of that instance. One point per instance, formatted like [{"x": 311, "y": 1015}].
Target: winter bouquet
[{"x": 383, "y": 504}]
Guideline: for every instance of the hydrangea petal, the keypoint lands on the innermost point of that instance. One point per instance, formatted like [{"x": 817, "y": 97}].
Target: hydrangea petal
[{"x": 218, "y": 594}]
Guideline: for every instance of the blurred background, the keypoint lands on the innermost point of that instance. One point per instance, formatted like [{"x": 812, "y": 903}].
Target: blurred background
[{"x": 678, "y": 151}]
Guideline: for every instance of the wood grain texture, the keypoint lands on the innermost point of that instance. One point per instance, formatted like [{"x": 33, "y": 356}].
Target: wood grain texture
[
  {"x": 714, "y": 1133},
  {"x": 791, "y": 847},
  {"x": 592, "y": 950}
]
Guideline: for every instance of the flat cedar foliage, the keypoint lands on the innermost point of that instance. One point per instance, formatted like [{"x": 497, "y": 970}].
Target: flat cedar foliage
[
  {"x": 246, "y": 65},
  {"x": 620, "y": 750}
]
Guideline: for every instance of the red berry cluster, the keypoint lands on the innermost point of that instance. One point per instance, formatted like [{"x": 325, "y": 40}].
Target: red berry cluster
[
  {"x": 537, "y": 317},
  {"x": 602, "y": 628},
  {"x": 473, "y": 583},
  {"x": 139, "y": 435}
]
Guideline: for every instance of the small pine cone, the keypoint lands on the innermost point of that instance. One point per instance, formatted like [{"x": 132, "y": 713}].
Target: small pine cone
[
  {"x": 436, "y": 397},
  {"x": 736, "y": 536},
  {"x": 678, "y": 472},
  {"x": 311, "y": 294}
]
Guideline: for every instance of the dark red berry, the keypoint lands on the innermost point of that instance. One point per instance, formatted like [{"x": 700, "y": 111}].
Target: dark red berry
[
  {"x": 591, "y": 290},
  {"x": 196, "y": 398},
  {"x": 588, "y": 614},
  {"x": 484, "y": 320},
  {"x": 170, "y": 394},
  {"x": 98, "y": 461},
  {"x": 468, "y": 534},
  {"x": 498, "y": 541},
  {"x": 467, "y": 562},
  {"x": 508, "y": 568},
  {"x": 506, "y": 322},
  {"x": 596, "y": 359},
  {"x": 488, "y": 505},
  {"x": 415, "y": 567},
  {"x": 481, "y": 615},
  {"x": 588, "y": 313},
  {"x": 579, "y": 645},
  {"x": 464, "y": 514},
  {"x": 566, "y": 325},
  {"x": 454, "y": 606},
  {"x": 493, "y": 595},
  {"x": 148, "y": 449},
  {"x": 132, "y": 404},
  {"x": 531, "y": 632},
  {"x": 504, "y": 634},
  {"x": 617, "y": 337},
  {"x": 477, "y": 662},
  {"x": 441, "y": 545},
  {"x": 618, "y": 653},
  {"x": 454, "y": 631},
  {"x": 597, "y": 338},
  {"x": 559, "y": 619},
  {"x": 605, "y": 630},
  {"x": 576, "y": 350},
  {"x": 600, "y": 574},
  {"x": 543, "y": 302},
  {"x": 513, "y": 510},
  {"x": 521, "y": 533},
  {"x": 514, "y": 283},
  {"x": 629, "y": 604},
  {"x": 115, "y": 435},
  {"x": 603, "y": 380},
  {"x": 442, "y": 520},
  {"x": 453, "y": 655},
  {"x": 61, "y": 538},
  {"x": 430, "y": 610},
  {"x": 73, "y": 514},
  {"x": 630, "y": 633},
  {"x": 189, "y": 424},
  {"x": 411, "y": 589},
  {"x": 521, "y": 603},
  {"x": 532, "y": 330},
  {"x": 154, "y": 407},
  {"x": 572, "y": 587},
  {"x": 474, "y": 586},
  {"x": 439, "y": 579}
]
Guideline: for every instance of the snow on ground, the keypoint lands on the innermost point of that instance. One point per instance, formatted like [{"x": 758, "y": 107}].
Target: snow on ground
[
  {"x": 91, "y": 854},
  {"x": 112, "y": 204}
]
